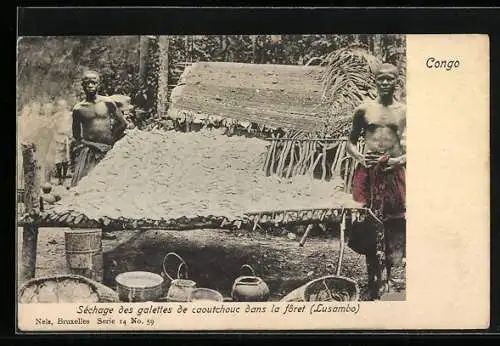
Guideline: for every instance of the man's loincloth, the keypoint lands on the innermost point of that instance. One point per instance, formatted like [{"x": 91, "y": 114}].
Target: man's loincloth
[
  {"x": 385, "y": 194},
  {"x": 87, "y": 155}
]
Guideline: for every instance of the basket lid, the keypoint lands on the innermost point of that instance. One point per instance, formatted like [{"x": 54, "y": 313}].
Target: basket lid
[
  {"x": 139, "y": 279},
  {"x": 206, "y": 294}
]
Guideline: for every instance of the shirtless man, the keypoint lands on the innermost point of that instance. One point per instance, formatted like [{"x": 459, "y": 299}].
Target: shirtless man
[
  {"x": 379, "y": 179},
  {"x": 97, "y": 124}
]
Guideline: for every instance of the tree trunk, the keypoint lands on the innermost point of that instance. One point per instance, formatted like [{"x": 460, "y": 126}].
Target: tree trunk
[
  {"x": 31, "y": 170},
  {"x": 143, "y": 57},
  {"x": 254, "y": 48},
  {"x": 377, "y": 46},
  {"x": 162, "y": 94}
]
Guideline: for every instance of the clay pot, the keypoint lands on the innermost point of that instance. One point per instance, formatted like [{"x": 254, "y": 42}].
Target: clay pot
[
  {"x": 180, "y": 288},
  {"x": 249, "y": 288}
]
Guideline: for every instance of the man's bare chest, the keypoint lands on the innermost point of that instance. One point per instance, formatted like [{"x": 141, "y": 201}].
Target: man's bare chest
[
  {"x": 94, "y": 111},
  {"x": 378, "y": 115}
]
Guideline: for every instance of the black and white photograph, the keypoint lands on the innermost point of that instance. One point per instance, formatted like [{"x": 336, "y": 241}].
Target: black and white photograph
[{"x": 211, "y": 168}]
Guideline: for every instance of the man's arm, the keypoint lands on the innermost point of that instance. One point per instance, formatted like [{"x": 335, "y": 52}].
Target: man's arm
[
  {"x": 400, "y": 160},
  {"x": 121, "y": 124},
  {"x": 76, "y": 126},
  {"x": 357, "y": 127}
]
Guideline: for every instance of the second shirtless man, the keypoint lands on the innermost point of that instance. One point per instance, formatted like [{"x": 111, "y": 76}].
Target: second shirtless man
[{"x": 379, "y": 179}]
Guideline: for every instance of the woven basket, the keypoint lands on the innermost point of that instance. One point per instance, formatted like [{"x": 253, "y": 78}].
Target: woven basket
[
  {"x": 30, "y": 292},
  {"x": 326, "y": 288}
]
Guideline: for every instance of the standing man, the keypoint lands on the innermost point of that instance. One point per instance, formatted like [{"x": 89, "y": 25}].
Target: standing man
[
  {"x": 97, "y": 124},
  {"x": 379, "y": 179},
  {"x": 62, "y": 139}
]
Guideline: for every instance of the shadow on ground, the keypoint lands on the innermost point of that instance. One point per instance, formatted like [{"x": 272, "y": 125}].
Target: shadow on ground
[{"x": 214, "y": 258}]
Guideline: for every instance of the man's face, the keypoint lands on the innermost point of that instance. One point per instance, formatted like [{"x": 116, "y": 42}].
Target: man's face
[
  {"x": 90, "y": 85},
  {"x": 386, "y": 83}
]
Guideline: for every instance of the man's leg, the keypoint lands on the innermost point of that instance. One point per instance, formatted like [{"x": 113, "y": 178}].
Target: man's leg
[
  {"x": 64, "y": 169},
  {"x": 59, "y": 172},
  {"x": 373, "y": 279},
  {"x": 395, "y": 244}
]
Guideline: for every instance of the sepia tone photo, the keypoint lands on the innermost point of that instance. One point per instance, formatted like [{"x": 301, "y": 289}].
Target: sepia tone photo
[{"x": 264, "y": 168}]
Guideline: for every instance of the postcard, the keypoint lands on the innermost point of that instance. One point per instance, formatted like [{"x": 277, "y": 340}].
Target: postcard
[{"x": 253, "y": 182}]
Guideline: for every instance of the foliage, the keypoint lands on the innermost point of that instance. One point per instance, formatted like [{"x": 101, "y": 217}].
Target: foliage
[
  {"x": 348, "y": 80},
  {"x": 49, "y": 67},
  {"x": 348, "y": 77}
]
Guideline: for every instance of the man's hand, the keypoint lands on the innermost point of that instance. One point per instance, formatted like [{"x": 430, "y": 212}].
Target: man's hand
[
  {"x": 373, "y": 158},
  {"x": 393, "y": 162}
]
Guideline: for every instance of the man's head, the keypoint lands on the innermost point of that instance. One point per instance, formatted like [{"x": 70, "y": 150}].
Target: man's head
[
  {"x": 90, "y": 82},
  {"x": 385, "y": 77},
  {"x": 46, "y": 188}
]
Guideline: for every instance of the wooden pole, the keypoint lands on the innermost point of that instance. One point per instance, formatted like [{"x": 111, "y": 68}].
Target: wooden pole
[
  {"x": 31, "y": 170},
  {"x": 342, "y": 244},
  {"x": 306, "y": 234},
  {"x": 162, "y": 101},
  {"x": 323, "y": 166}
]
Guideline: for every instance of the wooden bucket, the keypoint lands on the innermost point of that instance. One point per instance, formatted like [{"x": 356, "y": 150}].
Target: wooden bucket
[{"x": 84, "y": 252}]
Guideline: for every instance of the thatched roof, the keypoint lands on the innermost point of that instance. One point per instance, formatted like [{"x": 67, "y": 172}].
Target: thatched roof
[
  {"x": 164, "y": 177},
  {"x": 276, "y": 96}
]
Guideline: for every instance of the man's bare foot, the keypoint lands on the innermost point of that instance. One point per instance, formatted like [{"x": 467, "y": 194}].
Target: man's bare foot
[{"x": 385, "y": 288}]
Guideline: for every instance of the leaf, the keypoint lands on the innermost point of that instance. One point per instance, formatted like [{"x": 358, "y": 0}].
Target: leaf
[{"x": 347, "y": 80}]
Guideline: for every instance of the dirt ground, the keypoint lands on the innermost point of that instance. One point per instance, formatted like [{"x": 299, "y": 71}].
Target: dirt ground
[{"x": 214, "y": 257}]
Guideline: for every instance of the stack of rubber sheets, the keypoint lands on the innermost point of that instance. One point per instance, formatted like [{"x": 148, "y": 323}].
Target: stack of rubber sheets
[{"x": 170, "y": 175}]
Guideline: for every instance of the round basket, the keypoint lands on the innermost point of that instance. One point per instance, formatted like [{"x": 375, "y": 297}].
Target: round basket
[
  {"x": 205, "y": 294},
  {"x": 65, "y": 289},
  {"x": 139, "y": 286},
  {"x": 326, "y": 288}
]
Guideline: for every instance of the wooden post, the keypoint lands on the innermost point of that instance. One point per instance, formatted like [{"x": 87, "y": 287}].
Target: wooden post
[
  {"x": 306, "y": 234},
  {"x": 31, "y": 170},
  {"x": 162, "y": 101},
  {"x": 343, "y": 224}
]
